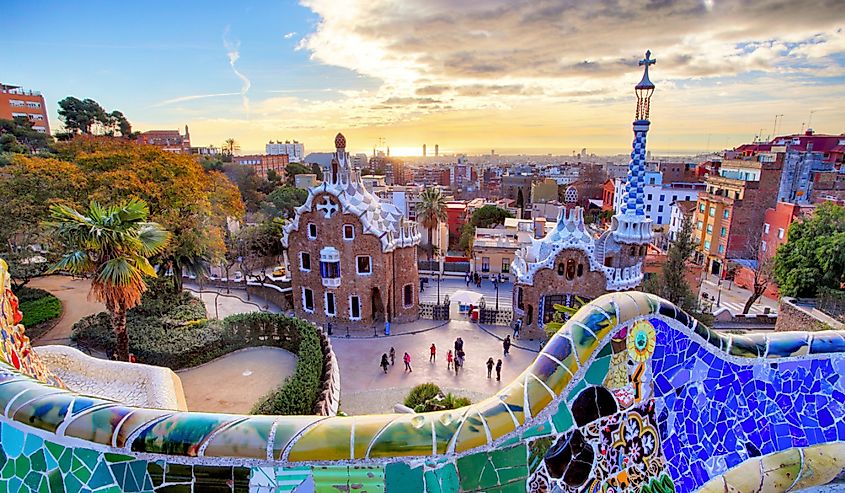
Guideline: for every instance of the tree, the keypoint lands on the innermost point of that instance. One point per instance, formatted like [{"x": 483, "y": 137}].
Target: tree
[
  {"x": 230, "y": 145},
  {"x": 761, "y": 266},
  {"x": 293, "y": 169},
  {"x": 814, "y": 254},
  {"x": 431, "y": 211},
  {"x": 253, "y": 187},
  {"x": 18, "y": 136},
  {"x": 484, "y": 217},
  {"x": 113, "y": 244},
  {"x": 671, "y": 283},
  {"x": 283, "y": 200}
]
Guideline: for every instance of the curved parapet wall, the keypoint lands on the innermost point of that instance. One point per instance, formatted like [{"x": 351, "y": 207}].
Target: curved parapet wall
[{"x": 631, "y": 395}]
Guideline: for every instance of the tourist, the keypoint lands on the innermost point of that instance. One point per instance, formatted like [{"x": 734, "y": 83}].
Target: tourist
[
  {"x": 387, "y": 327},
  {"x": 499, "y": 371},
  {"x": 506, "y": 344},
  {"x": 384, "y": 362},
  {"x": 459, "y": 361},
  {"x": 422, "y": 285},
  {"x": 132, "y": 358},
  {"x": 468, "y": 278},
  {"x": 392, "y": 356},
  {"x": 459, "y": 345},
  {"x": 516, "y": 328},
  {"x": 407, "y": 359},
  {"x": 489, "y": 367},
  {"x": 449, "y": 359},
  {"x": 433, "y": 356}
]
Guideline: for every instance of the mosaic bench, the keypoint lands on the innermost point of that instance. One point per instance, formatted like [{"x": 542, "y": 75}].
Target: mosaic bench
[{"x": 632, "y": 395}]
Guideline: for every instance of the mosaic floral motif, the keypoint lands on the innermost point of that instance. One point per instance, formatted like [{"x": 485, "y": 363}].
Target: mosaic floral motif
[{"x": 631, "y": 395}]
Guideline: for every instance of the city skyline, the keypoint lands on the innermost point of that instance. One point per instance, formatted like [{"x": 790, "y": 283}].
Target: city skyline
[{"x": 537, "y": 78}]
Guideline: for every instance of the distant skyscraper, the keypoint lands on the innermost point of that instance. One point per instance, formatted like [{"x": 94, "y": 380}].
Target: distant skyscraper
[
  {"x": 295, "y": 150},
  {"x": 423, "y": 150},
  {"x": 436, "y": 150}
]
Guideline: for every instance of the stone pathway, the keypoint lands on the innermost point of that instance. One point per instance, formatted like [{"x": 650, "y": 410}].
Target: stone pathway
[
  {"x": 73, "y": 293},
  {"x": 233, "y": 383}
]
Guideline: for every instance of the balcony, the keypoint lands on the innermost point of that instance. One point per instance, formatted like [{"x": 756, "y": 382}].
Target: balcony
[{"x": 331, "y": 282}]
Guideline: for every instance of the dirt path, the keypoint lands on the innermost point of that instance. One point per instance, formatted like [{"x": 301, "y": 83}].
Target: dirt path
[
  {"x": 233, "y": 383},
  {"x": 73, "y": 293}
]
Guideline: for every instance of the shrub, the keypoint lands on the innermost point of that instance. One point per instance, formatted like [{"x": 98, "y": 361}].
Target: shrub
[
  {"x": 40, "y": 310},
  {"x": 421, "y": 394},
  {"x": 25, "y": 294},
  {"x": 428, "y": 397}
]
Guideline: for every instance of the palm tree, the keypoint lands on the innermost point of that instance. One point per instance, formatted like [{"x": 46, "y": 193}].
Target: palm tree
[
  {"x": 230, "y": 145},
  {"x": 430, "y": 211},
  {"x": 113, "y": 244}
]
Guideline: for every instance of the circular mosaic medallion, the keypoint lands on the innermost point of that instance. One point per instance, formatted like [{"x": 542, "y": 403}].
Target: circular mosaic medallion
[{"x": 641, "y": 341}]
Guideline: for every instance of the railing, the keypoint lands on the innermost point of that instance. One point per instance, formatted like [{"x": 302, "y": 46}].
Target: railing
[{"x": 831, "y": 302}]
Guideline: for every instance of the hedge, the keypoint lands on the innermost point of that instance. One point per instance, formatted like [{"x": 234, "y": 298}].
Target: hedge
[
  {"x": 25, "y": 294},
  {"x": 170, "y": 335},
  {"x": 40, "y": 310}
]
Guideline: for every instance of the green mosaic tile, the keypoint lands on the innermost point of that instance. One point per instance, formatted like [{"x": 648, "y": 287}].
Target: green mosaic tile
[
  {"x": 88, "y": 457},
  {"x": 562, "y": 419},
  {"x": 442, "y": 480},
  {"x": 598, "y": 370},
  {"x": 71, "y": 484},
  {"x": 66, "y": 460},
  {"x": 22, "y": 466},
  {"x": 498, "y": 467},
  {"x": 575, "y": 391},
  {"x": 101, "y": 476},
  {"x": 369, "y": 479},
  {"x": 12, "y": 440},
  {"x": 37, "y": 461},
  {"x": 538, "y": 430},
  {"x": 330, "y": 479},
  {"x": 110, "y": 457},
  {"x": 401, "y": 478},
  {"x": 32, "y": 480},
  {"x": 56, "y": 482}
]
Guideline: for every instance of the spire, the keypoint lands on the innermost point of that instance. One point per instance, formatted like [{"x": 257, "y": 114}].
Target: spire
[{"x": 630, "y": 224}]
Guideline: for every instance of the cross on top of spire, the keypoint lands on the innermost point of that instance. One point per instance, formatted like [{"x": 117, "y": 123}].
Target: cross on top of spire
[{"x": 645, "y": 83}]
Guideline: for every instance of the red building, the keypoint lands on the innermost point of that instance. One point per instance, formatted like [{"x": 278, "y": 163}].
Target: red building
[
  {"x": 168, "y": 140},
  {"x": 456, "y": 217},
  {"x": 18, "y": 102},
  {"x": 608, "y": 195},
  {"x": 262, "y": 163}
]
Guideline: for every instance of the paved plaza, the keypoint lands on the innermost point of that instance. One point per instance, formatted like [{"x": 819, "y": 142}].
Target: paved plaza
[{"x": 448, "y": 286}]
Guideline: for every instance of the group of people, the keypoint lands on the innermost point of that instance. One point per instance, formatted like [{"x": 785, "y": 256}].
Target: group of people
[
  {"x": 476, "y": 278},
  {"x": 454, "y": 360}
]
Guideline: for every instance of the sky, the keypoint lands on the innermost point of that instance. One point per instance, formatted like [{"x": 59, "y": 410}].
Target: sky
[{"x": 517, "y": 76}]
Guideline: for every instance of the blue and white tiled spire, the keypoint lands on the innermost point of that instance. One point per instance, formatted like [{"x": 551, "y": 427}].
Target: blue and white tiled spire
[{"x": 631, "y": 225}]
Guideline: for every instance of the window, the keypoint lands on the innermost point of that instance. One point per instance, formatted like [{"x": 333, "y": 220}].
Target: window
[
  {"x": 580, "y": 270},
  {"x": 766, "y": 228},
  {"x": 330, "y": 307},
  {"x": 700, "y": 207},
  {"x": 348, "y": 232},
  {"x": 780, "y": 233},
  {"x": 660, "y": 219},
  {"x": 308, "y": 300},
  {"x": 723, "y": 232},
  {"x": 662, "y": 198},
  {"x": 329, "y": 270},
  {"x": 763, "y": 246},
  {"x": 709, "y": 229},
  {"x": 354, "y": 308},
  {"x": 649, "y": 196},
  {"x": 305, "y": 261},
  {"x": 312, "y": 231},
  {"x": 570, "y": 269},
  {"x": 408, "y": 295},
  {"x": 33, "y": 104},
  {"x": 561, "y": 268},
  {"x": 674, "y": 198},
  {"x": 721, "y": 248},
  {"x": 699, "y": 226},
  {"x": 364, "y": 265},
  {"x": 485, "y": 264},
  {"x": 16, "y": 102},
  {"x": 648, "y": 208},
  {"x": 726, "y": 214},
  {"x": 506, "y": 265},
  {"x": 659, "y": 208},
  {"x": 707, "y": 244},
  {"x": 520, "y": 303},
  {"x": 608, "y": 261},
  {"x": 712, "y": 212}
]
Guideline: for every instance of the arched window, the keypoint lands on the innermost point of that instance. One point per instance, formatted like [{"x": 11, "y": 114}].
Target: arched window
[
  {"x": 633, "y": 251},
  {"x": 580, "y": 270},
  {"x": 570, "y": 269},
  {"x": 530, "y": 316},
  {"x": 560, "y": 269}
]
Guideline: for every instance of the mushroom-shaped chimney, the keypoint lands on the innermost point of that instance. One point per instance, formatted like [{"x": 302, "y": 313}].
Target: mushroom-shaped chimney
[
  {"x": 340, "y": 141},
  {"x": 645, "y": 88}
]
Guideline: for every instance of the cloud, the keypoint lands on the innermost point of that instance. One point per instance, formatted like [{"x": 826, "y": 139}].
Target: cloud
[
  {"x": 233, "y": 53},
  {"x": 182, "y": 99},
  {"x": 289, "y": 35}
]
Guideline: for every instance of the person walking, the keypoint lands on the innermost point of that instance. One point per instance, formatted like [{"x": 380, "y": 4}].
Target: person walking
[
  {"x": 433, "y": 357},
  {"x": 384, "y": 362},
  {"x": 468, "y": 277},
  {"x": 459, "y": 345},
  {"x": 392, "y": 356},
  {"x": 489, "y": 367},
  {"x": 459, "y": 362},
  {"x": 516, "y": 328},
  {"x": 506, "y": 344},
  {"x": 449, "y": 358},
  {"x": 407, "y": 359},
  {"x": 499, "y": 371}
]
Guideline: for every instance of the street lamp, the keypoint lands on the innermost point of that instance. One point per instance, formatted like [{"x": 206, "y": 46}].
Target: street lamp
[
  {"x": 719, "y": 296},
  {"x": 496, "y": 284},
  {"x": 437, "y": 275}
]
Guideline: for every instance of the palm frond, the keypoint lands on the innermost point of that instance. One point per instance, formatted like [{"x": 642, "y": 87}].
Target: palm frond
[
  {"x": 152, "y": 239},
  {"x": 76, "y": 262}
]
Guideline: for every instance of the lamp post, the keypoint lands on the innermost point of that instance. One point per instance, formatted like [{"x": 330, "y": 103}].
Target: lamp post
[
  {"x": 496, "y": 284},
  {"x": 719, "y": 295},
  {"x": 437, "y": 275}
]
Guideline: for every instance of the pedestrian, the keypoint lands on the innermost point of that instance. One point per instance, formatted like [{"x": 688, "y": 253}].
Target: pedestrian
[
  {"x": 467, "y": 278},
  {"x": 449, "y": 359},
  {"x": 506, "y": 344},
  {"x": 459, "y": 345},
  {"x": 407, "y": 359},
  {"x": 387, "y": 327},
  {"x": 422, "y": 285},
  {"x": 459, "y": 362},
  {"x": 489, "y": 367},
  {"x": 392, "y": 356},
  {"x": 516, "y": 328},
  {"x": 132, "y": 358},
  {"x": 433, "y": 350},
  {"x": 499, "y": 371},
  {"x": 384, "y": 362}
]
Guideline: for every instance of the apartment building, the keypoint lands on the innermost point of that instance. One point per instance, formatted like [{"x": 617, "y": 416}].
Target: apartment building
[
  {"x": 16, "y": 101},
  {"x": 262, "y": 163},
  {"x": 168, "y": 140}
]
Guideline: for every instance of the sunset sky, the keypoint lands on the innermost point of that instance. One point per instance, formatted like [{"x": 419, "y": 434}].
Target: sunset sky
[{"x": 511, "y": 75}]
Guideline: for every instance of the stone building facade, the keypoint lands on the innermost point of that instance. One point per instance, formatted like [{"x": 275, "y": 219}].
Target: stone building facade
[
  {"x": 569, "y": 267},
  {"x": 352, "y": 258}
]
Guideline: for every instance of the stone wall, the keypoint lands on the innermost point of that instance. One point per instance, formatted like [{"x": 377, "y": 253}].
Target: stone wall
[
  {"x": 329, "y": 400},
  {"x": 279, "y": 296},
  {"x": 795, "y": 314}
]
